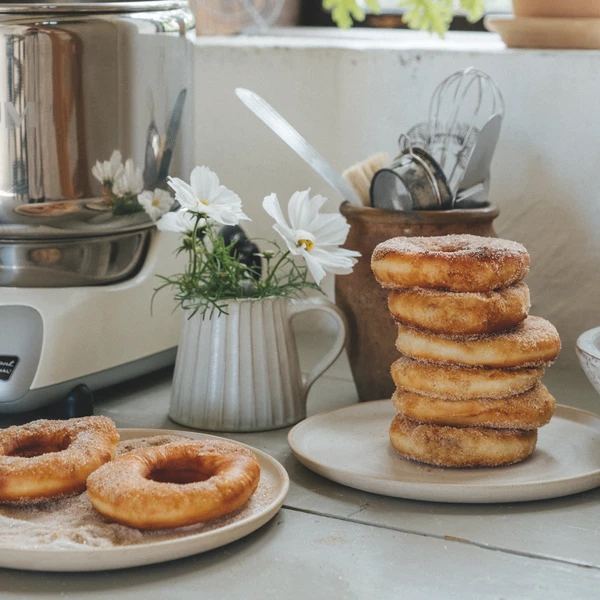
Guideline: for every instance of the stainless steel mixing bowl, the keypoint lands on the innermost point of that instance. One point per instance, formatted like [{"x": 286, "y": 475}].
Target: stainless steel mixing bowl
[{"x": 77, "y": 81}]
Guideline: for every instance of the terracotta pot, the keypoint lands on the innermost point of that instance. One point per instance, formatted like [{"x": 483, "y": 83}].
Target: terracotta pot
[
  {"x": 557, "y": 8},
  {"x": 371, "y": 329}
]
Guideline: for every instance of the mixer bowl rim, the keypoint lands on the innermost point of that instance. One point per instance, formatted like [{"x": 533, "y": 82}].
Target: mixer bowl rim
[{"x": 83, "y": 6}]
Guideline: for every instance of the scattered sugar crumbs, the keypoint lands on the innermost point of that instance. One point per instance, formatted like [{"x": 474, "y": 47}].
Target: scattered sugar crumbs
[{"x": 71, "y": 523}]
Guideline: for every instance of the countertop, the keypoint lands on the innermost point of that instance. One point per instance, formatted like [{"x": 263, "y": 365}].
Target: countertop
[{"x": 330, "y": 541}]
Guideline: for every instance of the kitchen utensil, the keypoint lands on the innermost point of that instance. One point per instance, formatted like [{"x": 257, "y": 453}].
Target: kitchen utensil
[
  {"x": 276, "y": 123},
  {"x": 360, "y": 175},
  {"x": 477, "y": 169},
  {"x": 414, "y": 181},
  {"x": 461, "y": 104},
  {"x": 76, "y": 280},
  {"x": 151, "y": 156},
  {"x": 170, "y": 138}
]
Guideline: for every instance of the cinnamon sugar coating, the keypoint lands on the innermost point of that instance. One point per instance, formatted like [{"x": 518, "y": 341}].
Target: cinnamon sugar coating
[
  {"x": 534, "y": 342},
  {"x": 460, "y": 446},
  {"x": 175, "y": 484},
  {"x": 460, "y": 313},
  {"x": 49, "y": 459},
  {"x": 459, "y": 263},
  {"x": 453, "y": 381},
  {"x": 530, "y": 410}
]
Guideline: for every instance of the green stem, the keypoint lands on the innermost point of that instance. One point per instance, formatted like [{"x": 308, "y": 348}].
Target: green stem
[{"x": 274, "y": 270}]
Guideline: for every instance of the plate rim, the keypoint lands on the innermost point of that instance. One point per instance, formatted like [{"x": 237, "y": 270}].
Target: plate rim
[
  {"x": 255, "y": 521},
  {"x": 499, "y": 488}
]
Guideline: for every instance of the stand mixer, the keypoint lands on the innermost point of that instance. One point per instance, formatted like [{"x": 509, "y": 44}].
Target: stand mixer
[{"x": 78, "y": 81}]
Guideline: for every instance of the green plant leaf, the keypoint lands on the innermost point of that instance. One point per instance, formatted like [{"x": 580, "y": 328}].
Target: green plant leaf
[
  {"x": 344, "y": 12},
  {"x": 434, "y": 16},
  {"x": 474, "y": 9}
]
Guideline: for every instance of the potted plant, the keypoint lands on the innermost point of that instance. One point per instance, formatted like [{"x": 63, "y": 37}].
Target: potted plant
[
  {"x": 434, "y": 16},
  {"x": 237, "y": 366}
]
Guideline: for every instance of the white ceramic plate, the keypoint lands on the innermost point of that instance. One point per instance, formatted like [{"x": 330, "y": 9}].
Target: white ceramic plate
[
  {"x": 100, "y": 559},
  {"x": 351, "y": 446}
]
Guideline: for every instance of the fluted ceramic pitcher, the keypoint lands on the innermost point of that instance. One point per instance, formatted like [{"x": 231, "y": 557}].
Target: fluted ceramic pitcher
[{"x": 240, "y": 371}]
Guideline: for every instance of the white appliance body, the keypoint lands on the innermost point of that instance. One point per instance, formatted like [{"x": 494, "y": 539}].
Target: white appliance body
[{"x": 53, "y": 339}]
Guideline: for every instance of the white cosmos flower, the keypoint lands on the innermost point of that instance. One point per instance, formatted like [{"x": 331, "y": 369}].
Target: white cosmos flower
[
  {"x": 313, "y": 235},
  {"x": 155, "y": 203},
  {"x": 180, "y": 221},
  {"x": 106, "y": 172},
  {"x": 129, "y": 182},
  {"x": 205, "y": 195}
]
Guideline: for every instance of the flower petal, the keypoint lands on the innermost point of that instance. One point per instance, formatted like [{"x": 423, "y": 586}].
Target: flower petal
[
  {"x": 330, "y": 229},
  {"x": 288, "y": 237},
  {"x": 314, "y": 265},
  {"x": 273, "y": 209},
  {"x": 203, "y": 182},
  {"x": 336, "y": 261},
  {"x": 183, "y": 193},
  {"x": 301, "y": 210}
]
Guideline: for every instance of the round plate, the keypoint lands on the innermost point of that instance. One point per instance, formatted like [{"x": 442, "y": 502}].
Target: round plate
[
  {"x": 273, "y": 475},
  {"x": 351, "y": 446}
]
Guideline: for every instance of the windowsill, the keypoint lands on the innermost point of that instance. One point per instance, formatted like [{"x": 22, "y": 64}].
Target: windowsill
[
  {"x": 372, "y": 39},
  {"x": 359, "y": 38}
]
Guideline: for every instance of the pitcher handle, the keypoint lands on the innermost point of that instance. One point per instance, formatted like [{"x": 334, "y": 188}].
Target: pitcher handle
[{"x": 324, "y": 305}]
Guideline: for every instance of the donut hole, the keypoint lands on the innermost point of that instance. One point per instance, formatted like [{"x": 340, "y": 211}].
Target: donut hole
[
  {"x": 181, "y": 472},
  {"x": 30, "y": 448},
  {"x": 450, "y": 248}
]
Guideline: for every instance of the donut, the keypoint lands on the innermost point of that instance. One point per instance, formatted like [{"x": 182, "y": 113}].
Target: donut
[
  {"x": 460, "y": 446},
  {"x": 458, "y": 263},
  {"x": 461, "y": 313},
  {"x": 454, "y": 381},
  {"x": 533, "y": 342},
  {"x": 176, "y": 484},
  {"x": 47, "y": 459},
  {"x": 530, "y": 410}
]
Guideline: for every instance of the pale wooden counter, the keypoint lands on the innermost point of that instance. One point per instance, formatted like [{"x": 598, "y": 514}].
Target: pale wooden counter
[{"x": 333, "y": 542}]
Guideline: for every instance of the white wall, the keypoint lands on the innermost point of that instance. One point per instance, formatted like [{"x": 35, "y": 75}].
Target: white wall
[{"x": 351, "y": 94}]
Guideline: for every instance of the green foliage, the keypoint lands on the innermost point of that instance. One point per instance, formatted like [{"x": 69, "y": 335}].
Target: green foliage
[
  {"x": 126, "y": 205},
  {"x": 434, "y": 16},
  {"x": 214, "y": 275}
]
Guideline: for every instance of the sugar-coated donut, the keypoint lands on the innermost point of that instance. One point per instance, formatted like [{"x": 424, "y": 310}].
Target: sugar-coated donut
[
  {"x": 46, "y": 459},
  {"x": 533, "y": 342},
  {"x": 460, "y": 446},
  {"x": 452, "y": 381},
  {"x": 530, "y": 410},
  {"x": 458, "y": 263},
  {"x": 175, "y": 484},
  {"x": 461, "y": 313}
]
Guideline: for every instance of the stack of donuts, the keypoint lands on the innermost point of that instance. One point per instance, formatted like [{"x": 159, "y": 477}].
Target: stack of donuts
[{"x": 468, "y": 380}]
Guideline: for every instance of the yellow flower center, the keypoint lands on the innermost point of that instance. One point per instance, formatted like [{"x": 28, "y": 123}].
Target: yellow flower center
[
  {"x": 203, "y": 202},
  {"x": 155, "y": 202},
  {"x": 308, "y": 244}
]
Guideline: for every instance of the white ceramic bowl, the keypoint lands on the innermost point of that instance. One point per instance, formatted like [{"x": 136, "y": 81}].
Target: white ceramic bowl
[{"x": 588, "y": 351}]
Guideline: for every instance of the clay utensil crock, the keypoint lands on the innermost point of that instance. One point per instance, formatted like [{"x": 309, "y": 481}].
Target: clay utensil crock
[{"x": 371, "y": 329}]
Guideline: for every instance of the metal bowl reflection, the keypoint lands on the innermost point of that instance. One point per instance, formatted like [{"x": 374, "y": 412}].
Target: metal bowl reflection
[{"x": 72, "y": 262}]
